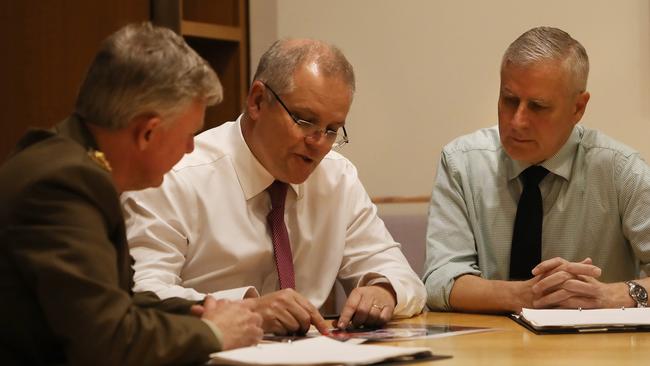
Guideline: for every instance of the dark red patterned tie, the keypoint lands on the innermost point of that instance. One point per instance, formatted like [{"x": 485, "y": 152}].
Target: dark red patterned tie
[{"x": 281, "y": 247}]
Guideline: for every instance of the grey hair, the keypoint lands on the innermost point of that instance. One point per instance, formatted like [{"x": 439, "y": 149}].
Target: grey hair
[
  {"x": 548, "y": 43},
  {"x": 279, "y": 63},
  {"x": 144, "y": 70}
]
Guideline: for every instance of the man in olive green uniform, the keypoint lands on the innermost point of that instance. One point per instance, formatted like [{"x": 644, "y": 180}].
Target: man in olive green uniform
[{"x": 65, "y": 269}]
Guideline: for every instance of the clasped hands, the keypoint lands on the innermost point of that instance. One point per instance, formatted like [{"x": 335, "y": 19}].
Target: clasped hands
[
  {"x": 558, "y": 283},
  {"x": 288, "y": 312}
]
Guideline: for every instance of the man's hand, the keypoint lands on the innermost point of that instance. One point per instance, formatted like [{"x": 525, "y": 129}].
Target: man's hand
[
  {"x": 239, "y": 325},
  {"x": 197, "y": 310},
  {"x": 368, "y": 305},
  {"x": 564, "y": 284},
  {"x": 558, "y": 265},
  {"x": 286, "y": 312}
]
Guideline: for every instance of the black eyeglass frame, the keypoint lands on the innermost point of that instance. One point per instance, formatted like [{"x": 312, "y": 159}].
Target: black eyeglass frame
[{"x": 311, "y": 126}]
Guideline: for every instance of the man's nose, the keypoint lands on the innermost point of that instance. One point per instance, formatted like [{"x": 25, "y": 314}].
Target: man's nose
[
  {"x": 521, "y": 117},
  {"x": 318, "y": 140}
]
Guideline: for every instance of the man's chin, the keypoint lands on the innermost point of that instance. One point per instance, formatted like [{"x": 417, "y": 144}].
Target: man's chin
[
  {"x": 519, "y": 153},
  {"x": 299, "y": 177},
  {"x": 299, "y": 173},
  {"x": 143, "y": 185},
  {"x": 297, "y": 180},
  {"x": 527, "y": 159},
  {"x": 154, "y": 183}
]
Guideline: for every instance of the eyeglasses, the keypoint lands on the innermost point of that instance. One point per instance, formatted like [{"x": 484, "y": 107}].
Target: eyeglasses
[{"x": 337, "y": 138}]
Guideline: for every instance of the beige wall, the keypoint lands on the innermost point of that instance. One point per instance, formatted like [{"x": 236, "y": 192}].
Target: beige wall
[{"x": 427, "y": 71}]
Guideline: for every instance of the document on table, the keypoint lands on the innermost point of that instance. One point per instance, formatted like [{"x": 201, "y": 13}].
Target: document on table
[
  {"x": 585, "y": 320},
  {"x": 390, "y": 332},
  {"x": 402, "y": 331},
  {"x": 319, "y": 350}
]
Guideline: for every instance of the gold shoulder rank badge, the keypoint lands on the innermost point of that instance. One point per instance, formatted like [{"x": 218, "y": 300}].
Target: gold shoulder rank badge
[{"x": 100, "y": 159}]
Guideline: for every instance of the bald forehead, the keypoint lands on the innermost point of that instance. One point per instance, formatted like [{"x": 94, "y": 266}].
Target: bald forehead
[
  {"x": 313, "y": 53},
  {"x": 300, "y": 42},
  {"x": 313, "y": 73},
  {"x": 279, "y": 64}
]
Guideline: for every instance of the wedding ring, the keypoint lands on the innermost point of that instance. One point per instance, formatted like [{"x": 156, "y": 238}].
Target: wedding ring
[{"x": 379, "y": 307}]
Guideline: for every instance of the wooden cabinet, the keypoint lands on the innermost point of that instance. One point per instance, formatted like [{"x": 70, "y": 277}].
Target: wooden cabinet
[
  {"x": 48, "y": 46},
  {"x": 218, "y": 31},
  {"x": 52, "y": 43}
]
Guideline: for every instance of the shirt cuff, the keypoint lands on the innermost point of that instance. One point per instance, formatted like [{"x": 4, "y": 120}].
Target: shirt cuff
[
  {"x": 440, "y": 282},
  {"x": 378, "y": 280},
  {"x": 410, "y": 294},
  {"x": 372, "y": 278},
  {"x": 239, "y": 293},
  {"x": 216, "y": 331}
]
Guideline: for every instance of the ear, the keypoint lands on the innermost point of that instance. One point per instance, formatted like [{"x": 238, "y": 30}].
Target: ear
[
  {"x": 255, "y": 99},
  {"x": 146, "y": 130},
  {"x": 580, "y": 106}
]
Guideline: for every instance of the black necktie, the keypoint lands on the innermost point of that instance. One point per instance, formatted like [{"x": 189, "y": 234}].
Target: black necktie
[{"x": 526, "y": 250}]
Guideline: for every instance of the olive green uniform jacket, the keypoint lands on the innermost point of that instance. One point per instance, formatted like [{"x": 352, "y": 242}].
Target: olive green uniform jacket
[{"x": 65, "y": 268}]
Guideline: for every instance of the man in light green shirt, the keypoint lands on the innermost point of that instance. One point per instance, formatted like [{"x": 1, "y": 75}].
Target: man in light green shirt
[{"x": 595, "y": 235}]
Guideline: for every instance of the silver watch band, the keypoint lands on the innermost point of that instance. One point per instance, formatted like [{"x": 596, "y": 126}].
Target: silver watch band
[{"x": 638, "y": 293}]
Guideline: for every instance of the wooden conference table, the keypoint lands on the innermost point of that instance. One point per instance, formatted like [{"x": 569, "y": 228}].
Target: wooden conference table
[{"x": 512, "y": 344}]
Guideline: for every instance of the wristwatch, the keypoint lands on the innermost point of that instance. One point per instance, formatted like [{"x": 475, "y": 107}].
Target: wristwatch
[{"x": 638, "y": 293}]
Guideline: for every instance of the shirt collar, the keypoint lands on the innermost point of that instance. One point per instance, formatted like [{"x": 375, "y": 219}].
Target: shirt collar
[
  {"x": 252, "y": 176},
  {"x": 559, "y": 164}
]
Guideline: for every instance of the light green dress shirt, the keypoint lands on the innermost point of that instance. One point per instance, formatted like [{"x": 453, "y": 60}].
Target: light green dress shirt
[{"x": 596, "y": 204}]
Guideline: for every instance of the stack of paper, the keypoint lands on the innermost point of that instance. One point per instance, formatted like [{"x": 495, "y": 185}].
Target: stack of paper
[
  {"x": 320, "y": 350},
  {"x": 586, "y": 320}
]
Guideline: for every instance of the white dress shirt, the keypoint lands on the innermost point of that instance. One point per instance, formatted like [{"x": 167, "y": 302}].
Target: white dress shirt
[
  {"x": 205, "y": 230},
  {"x": 596, "y": 204}
]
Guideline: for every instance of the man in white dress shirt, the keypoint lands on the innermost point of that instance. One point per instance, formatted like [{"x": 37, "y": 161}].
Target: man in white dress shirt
[{"x": 205, "y": 231}]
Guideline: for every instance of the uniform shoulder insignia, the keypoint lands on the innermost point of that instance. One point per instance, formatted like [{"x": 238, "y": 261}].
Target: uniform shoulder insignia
[{"x": 100, "y": 159}]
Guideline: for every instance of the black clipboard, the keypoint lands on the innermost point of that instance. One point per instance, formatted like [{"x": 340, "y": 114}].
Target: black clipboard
[{"x": 596, "y": 328}]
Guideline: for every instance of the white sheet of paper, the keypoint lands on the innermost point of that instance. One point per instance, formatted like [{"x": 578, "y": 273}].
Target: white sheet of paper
[
  {"x": 319, "y": 350},
  {"x": 570, "y": 317}
]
